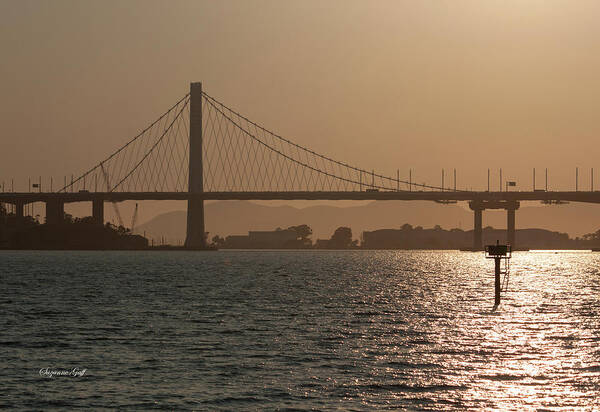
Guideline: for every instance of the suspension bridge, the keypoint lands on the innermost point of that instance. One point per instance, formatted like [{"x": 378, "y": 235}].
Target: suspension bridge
[{"x": 200, "y": 149}]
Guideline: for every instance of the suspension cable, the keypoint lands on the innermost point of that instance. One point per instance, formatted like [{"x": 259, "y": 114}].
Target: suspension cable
[{"x": 390, "y": 179}]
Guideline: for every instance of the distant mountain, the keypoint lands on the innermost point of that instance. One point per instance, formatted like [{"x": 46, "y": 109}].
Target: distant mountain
[{"x": 237, "y": 217}]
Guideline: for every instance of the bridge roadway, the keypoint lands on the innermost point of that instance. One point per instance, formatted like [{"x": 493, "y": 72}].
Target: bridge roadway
[
  {"x": 440, "y": 196},
  {"x": 478, "y": 201}
]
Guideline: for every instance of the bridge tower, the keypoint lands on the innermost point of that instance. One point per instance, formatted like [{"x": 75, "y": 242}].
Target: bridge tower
[{"x": 195, "y": 237}]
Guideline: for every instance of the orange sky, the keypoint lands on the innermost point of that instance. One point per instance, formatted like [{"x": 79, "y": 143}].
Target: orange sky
[{"x": 384, "y": 85}]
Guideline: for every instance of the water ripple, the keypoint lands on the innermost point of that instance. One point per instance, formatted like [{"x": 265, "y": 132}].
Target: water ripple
[{"x": 352, "y": 330}]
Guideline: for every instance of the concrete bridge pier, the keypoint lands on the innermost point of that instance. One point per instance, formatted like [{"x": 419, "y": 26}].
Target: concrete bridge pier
[
  {"x": 478, "y": 229},
  {"x": 477, "y": 208},
  {"x": 55, "y": 212},
  {"x": 98, "y": 211},
  {"x": 511, "y": 207},
  {"x": 20, "y": 209}
]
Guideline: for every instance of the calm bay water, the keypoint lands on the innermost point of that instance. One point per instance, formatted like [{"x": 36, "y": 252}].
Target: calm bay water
[{"x": 357, "y": 330}]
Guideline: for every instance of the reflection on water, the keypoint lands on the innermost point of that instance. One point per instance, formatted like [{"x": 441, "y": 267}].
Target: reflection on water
[{"x": 325, "y": 330}]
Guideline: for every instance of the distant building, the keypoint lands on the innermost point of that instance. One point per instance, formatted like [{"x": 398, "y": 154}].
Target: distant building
[
  {"x": 438, "y": 238},
  {"x": 273, "y": 239},
  {"x": 384, "y": 239},
  {"x": 263, "y": 239},
  {"x": 416, "y": 238}
]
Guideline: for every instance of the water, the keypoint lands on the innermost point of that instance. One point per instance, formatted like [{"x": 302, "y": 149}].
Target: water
[{"x": 298, "y": 329}]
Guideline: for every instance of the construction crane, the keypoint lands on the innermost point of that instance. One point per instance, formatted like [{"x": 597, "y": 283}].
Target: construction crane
[
  {"x": 115, "y": 207},
  {"x": 134, "y": 218}
]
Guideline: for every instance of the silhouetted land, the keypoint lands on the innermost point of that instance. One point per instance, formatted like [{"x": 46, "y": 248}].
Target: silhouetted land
[
  {"x": 72, "y": 234},
  {"x": 406, "y": 237},
  {"x": 84, "y": 234},
  {"x": 237, "y": 217}
]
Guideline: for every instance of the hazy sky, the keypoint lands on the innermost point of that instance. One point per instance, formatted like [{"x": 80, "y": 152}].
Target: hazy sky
[{"x": 383, "y": 85}]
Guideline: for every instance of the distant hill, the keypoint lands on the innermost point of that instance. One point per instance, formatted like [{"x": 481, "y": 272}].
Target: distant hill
[{"x": 237, "y": 217}]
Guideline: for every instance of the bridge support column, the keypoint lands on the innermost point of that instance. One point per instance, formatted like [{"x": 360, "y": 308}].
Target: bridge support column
[
  {"x": 55, "y": 212},
  {"x": 477, "y": 209},
  {"x": 510, "y": 223},
  {"x": 478, "y": 229},
  {"x": 98, "y": 211},
  {"x": 19, "y": 209},
  {"x": 195, "y": 237}
]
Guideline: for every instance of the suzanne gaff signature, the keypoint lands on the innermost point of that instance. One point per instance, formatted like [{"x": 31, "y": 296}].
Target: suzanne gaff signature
[{"x": 51, "y": 373}]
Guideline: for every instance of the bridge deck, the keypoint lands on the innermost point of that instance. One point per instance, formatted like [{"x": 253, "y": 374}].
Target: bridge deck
[{"x": 588, "y": 197}]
